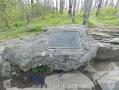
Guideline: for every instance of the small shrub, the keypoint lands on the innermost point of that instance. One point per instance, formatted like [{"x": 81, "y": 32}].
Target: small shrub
[
  {"x": 41, "y": 69},
  {"x": 91, "y": 24},
  {"x": 34, "y": 29}
]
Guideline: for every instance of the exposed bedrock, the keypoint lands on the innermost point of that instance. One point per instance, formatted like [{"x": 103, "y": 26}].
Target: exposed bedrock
[
  {"x": 108, "y": 52},
  {"x": 109, "y": 43}
]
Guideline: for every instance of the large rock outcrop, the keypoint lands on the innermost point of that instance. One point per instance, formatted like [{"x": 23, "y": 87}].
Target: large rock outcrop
[
  {"x": 108, "y": 52},
  {"x": 109, "y": 43},
  {"x": 34, "y": 52}
]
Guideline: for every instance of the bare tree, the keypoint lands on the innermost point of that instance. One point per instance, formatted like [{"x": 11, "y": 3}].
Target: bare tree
[
  {"x": 70, "y": 8},
  {"x": 117, "y": 4},
  {"x": 87, "y": 10},
  {"x": 78, "y": 5},
  {"x": 62, "y": 3},
  {"x": 4, "y": 13},
  {"x": 82, "y": 6},
  {"x": 111, "y": 3},
  {"x": 52, "y": 4},
  {"x": 99, "y": 7},
  {"x": 95, "y": 4},
  {"x": 56, "y": 5},
  {"x": 32, "y": 2},
  {"x": 74, "y": 10},
  {"x": 106, "y": 3},
  {"x": 23, "y": 7}
]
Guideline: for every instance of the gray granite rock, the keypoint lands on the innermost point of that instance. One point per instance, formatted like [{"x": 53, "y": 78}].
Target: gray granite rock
[
  {"x": 107, "y": 80},
  {"x": 69, "y": 81},
  {"x": 42, "y": 89},
  {"x": 1, "y": 60},
  {"x": 34, "y": 89},
  {"x": 108, "y": 52},
  {"x": 103, "y": 65},
  {"x": 34, "y": 52},
  {"x": 114, "y": 41},
  {"x": 6, "y": 69}
]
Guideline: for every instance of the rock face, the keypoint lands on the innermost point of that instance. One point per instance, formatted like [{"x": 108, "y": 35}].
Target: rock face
[
  {"x": 1, "y": 60},
  {"x": 109, "y": 43},
  {"x": 34, "y": 52},
  {"x": 6, "y": 69},
  {"x": 69, "y": 81},
  {"x": 108, "y": 52}
]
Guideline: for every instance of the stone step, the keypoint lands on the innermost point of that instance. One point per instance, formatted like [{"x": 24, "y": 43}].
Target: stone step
[
  {"x": 67, "y": 81},
  {"x": 35, "y": 89},
  {"x": 107, "y": 80}
]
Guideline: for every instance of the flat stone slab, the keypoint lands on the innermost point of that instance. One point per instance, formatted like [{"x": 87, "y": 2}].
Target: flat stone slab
[
  {"x": 35, "y": 89},
  {"x": 43, "y": 89},
  {"x": 66, "y": 81},
  {"x": 64, "y": 39},
  {"x": 70, "y": 80},
  {"x": 107, "y": 80}
]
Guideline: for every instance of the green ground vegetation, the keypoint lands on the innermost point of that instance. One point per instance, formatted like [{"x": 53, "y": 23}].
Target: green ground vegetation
[
  {"x": 18, "y": 27},
  {"x": 109, "y": 17}
]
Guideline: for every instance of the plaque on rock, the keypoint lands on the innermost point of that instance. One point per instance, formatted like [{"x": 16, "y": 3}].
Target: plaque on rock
[{"x": 64, "y": 40}]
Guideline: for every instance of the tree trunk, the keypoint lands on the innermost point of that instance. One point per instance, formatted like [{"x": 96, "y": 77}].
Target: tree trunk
[
  {"x": 99, "y": 7},
  {"x": 56, "y": 5},
  {"x": 74, "y": 10},
  {"x": 95, "y": 5},
  {"x": 61, "y": 6},
  {"x": 32, "y": 2},
  {"x": 23, "y": 7},
  {"x": 117, "y": 4},
  {"x": 106, "y": 3},
  {"x": 87, "y": 10},
  {"x": 82, "y": 6},
  {"x": 70, "y": 8},
  {"x": 4, "y": 13},
  {"x": 111, "y": 3}
]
